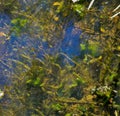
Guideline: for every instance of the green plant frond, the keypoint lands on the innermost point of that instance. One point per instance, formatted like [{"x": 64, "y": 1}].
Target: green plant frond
[{"x": 21, "y": 63}]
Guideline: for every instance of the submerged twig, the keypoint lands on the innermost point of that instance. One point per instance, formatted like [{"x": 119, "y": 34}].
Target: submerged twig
[
  {"x": 69, "y": 58},
  {"x": 4, "y": 64},
  {"x": 72, "y": 101}
]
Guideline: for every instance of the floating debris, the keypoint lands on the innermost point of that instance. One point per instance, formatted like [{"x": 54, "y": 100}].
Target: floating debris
[
  {"x": 1, "y": 94},
  {"x": 75, "y": 1}
]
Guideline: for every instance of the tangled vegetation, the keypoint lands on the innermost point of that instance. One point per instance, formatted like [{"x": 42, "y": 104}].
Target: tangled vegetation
[{"x": 49, "y": 87}]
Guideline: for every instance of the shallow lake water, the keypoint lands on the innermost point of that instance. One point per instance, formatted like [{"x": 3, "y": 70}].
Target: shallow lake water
[{"x": 11, "y": 48}]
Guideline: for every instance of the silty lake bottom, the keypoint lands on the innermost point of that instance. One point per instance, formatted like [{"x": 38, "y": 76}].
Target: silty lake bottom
[{"x": 11, "y": 48}]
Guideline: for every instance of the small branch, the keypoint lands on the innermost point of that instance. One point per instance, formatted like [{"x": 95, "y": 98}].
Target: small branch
[
  {"x": 115, "y": 15},
  {"x": 116, "y": 8},
  {"x": 90, "y": 5}
]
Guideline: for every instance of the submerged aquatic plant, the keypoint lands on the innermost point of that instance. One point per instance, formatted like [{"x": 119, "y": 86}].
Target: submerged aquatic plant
[{"x": 46, "y": 87}]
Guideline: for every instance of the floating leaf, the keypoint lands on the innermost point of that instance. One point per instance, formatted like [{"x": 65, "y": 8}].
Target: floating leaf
[
  {"x": 37, "y": 82},
  {"x": 112, "y": 76},
  {"x": 2, "y": 34},
  {"x": 56, "y": 3},
  {"x": 79, "y": 9},
  {"x": 57, "y": 107},
  {"x": 56, "y": 18},
  {"x": 95, "y": 59},
  {"x": 83, "y": 47},
  {"x": 68, "y": 114},
  {"x": 102, "y": 29},
  {"x": 29, "y": 81}
]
